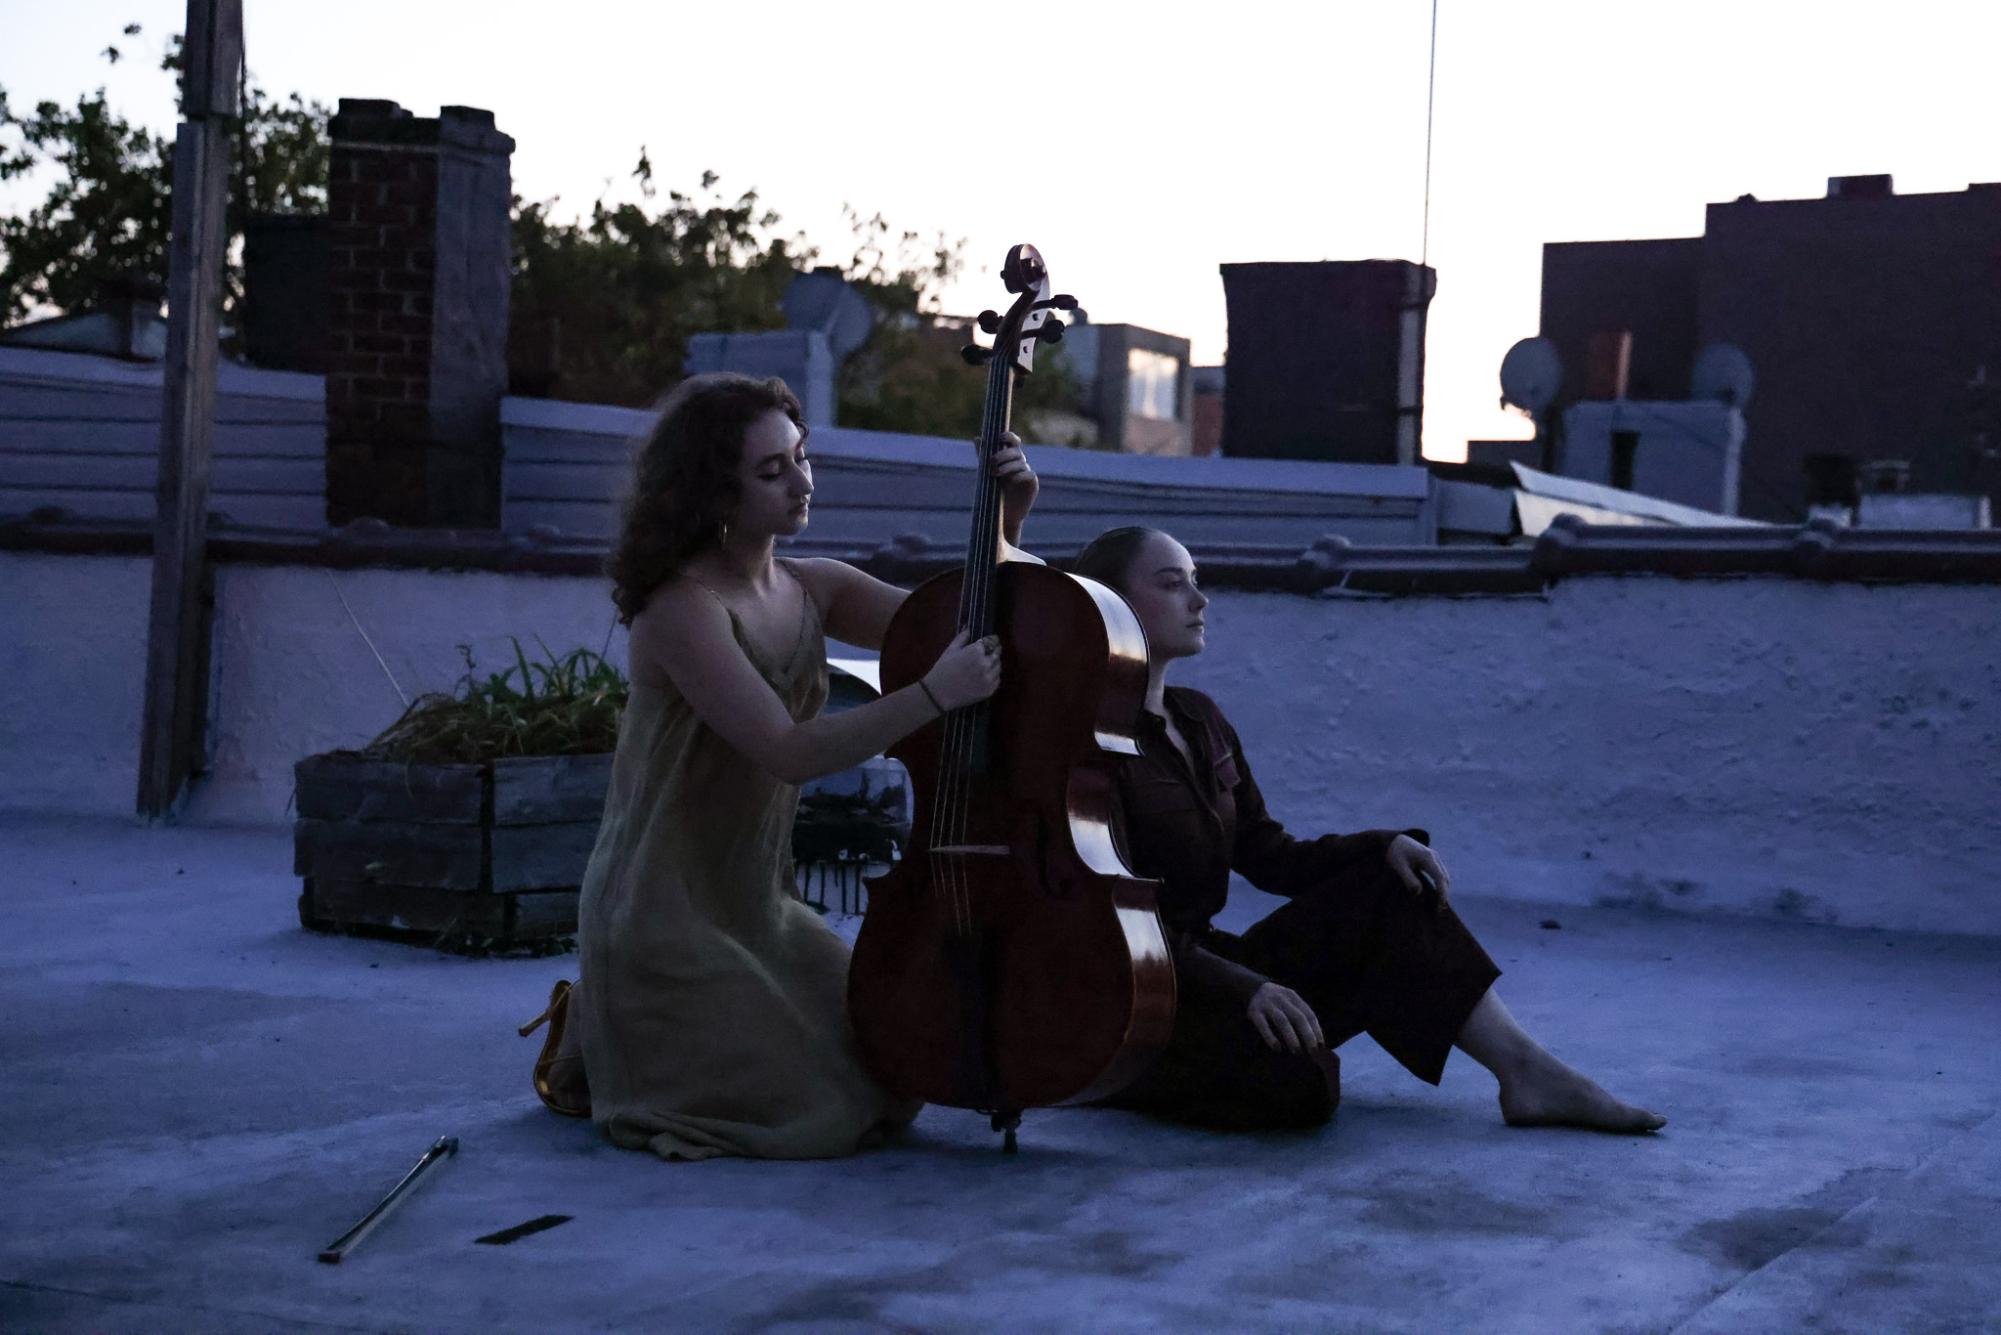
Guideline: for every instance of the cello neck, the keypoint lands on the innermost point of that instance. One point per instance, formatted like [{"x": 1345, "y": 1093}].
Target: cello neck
[
  {"x": 983, "y": 545},
  {"x": 1026, "y": 324}
]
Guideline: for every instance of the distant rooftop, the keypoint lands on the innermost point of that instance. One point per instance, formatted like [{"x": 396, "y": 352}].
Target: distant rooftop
[{"x": 79, "y": 444}]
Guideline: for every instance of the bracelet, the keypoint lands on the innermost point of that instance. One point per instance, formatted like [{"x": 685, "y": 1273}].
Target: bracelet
[{"x": 932, "y": 698}]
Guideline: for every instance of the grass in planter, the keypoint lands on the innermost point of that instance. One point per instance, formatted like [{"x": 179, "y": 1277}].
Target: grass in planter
[{"x": 566, "y": 706}]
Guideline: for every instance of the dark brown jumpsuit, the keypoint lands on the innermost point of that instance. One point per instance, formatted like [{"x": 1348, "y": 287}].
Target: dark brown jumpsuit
[{"x": 1365, "y": 952}]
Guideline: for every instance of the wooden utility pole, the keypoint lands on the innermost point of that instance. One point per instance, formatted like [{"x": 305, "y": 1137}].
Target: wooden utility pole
[{"x": 177, "y": 634}]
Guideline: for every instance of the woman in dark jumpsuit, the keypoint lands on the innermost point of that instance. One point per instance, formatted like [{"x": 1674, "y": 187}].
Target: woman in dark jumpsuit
[{"x": 1364, "y": 946}]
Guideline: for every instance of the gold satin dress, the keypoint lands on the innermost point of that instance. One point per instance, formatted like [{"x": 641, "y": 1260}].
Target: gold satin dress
[{"x": 712, "y": 1011}]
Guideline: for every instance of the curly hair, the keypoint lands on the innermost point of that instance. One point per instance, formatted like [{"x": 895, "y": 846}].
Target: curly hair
[
  {"x": 684, "y": 479},
  {"x": 1108, "y": 558}
]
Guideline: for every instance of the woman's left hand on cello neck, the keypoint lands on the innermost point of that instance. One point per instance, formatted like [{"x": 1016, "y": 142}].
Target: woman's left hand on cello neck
[{"x": 1018, "y": 485}]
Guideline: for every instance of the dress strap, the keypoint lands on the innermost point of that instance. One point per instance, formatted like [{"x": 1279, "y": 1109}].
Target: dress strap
[
  {"x": 809, "y": 616},
  {"x": 805, "y": 589},
  {"x": 712, "y": 593}
]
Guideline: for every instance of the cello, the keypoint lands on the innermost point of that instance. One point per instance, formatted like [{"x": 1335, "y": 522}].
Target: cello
[{"x": 1011, "y": 959}]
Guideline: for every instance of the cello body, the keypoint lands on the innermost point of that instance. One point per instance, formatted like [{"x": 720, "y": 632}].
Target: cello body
[{"x": 1011, "y": 960}]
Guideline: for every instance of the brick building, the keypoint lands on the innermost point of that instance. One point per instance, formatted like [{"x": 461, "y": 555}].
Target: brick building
[{"x": 1872, "y": 319}]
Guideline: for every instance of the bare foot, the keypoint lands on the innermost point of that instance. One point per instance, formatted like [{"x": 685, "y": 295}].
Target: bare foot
[{"x": 1559, "y": 1096}]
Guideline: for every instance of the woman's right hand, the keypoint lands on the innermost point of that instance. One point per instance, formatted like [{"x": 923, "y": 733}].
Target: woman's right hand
[
  {"x": 966, "y": 673},
  {"x": 1284, "y": 1020}
]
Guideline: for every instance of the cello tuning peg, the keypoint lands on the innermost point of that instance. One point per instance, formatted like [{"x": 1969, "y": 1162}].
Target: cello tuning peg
[
  {"x": 1063, "y": 301},
  {"x": 990, "y": 322},
  {"x": 1051, "y": 331},
  {"x": 976, "y": 355}
]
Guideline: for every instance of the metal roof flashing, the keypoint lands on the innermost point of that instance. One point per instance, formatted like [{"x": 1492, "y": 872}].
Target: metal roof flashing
[{"x": 1569, "y": 548}]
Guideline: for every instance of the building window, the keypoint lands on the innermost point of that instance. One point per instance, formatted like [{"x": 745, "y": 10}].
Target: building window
[{"x": 1153, "y": 384}]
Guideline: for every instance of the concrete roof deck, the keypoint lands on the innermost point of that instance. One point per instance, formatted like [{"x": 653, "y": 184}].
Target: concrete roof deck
[{"x": 203, "y": 1095}]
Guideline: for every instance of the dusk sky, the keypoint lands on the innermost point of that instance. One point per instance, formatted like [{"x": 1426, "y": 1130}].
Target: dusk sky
[{"x": 1140, "y": 146}]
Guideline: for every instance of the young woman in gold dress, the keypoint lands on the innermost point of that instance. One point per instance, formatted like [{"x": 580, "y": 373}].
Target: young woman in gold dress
[{"x": 711, "y": 1017}]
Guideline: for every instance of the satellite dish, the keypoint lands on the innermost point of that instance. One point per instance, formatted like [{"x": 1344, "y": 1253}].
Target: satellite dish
[
  {"x": 1531, "y": 374},
  {"x": 1722, "y": 375},
  {"x": 823, "y": 301}
]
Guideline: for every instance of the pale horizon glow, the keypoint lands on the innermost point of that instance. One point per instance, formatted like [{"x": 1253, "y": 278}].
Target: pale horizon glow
[{"x": 1149, "y": 145}]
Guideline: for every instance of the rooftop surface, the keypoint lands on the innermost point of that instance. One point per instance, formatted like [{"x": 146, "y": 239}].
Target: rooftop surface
[{"x": 202, "y": 1095}]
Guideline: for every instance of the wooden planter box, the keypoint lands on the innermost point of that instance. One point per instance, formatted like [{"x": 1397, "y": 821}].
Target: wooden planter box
[
  {"x": 475, "y": 859},
  {"x": 484, "y": 859}
]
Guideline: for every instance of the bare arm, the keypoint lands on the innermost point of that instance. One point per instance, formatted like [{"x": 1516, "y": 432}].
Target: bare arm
[
  {"x": 857, "y": 606},
  {"x": 685, "y": 634}
]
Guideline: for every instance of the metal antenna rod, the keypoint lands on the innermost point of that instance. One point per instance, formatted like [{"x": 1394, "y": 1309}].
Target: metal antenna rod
[{"x": 1430, "y": 95}]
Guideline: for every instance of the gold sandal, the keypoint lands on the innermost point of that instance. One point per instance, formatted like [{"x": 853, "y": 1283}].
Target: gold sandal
[{"x": 566, "y": 1102}]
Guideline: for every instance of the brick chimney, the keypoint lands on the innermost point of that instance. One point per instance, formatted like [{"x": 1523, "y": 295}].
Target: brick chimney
[
  {"x": 417, "y": 284},
  {"x": 1326, "y": 360}
]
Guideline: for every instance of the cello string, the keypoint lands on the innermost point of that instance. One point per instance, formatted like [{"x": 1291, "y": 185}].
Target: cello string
[
  {"x": 937, "y": 835},
  {"x": 989, "y": 515},
  {"x": 988, "y": 510},
  {"x": 976, "y": 601},
  {"x": 943, "y": 869},
  {"x": 973, "y": 589},
  {"x": 950, "y": 792}
]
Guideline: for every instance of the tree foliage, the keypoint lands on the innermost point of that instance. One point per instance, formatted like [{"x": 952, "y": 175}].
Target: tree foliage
[
  {"x": 910, "y": 376},
  {"x": 106, "y": 213},
  {"x": 108, "y": 209},
  {"x": 604, "y": 304}
]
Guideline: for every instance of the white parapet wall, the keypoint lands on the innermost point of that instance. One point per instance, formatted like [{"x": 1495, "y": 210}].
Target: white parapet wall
[
  {"x": 294, "y": 670},
  {"x": 1764, "y": 745},
  {"x": 1818, "y": 751}
]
